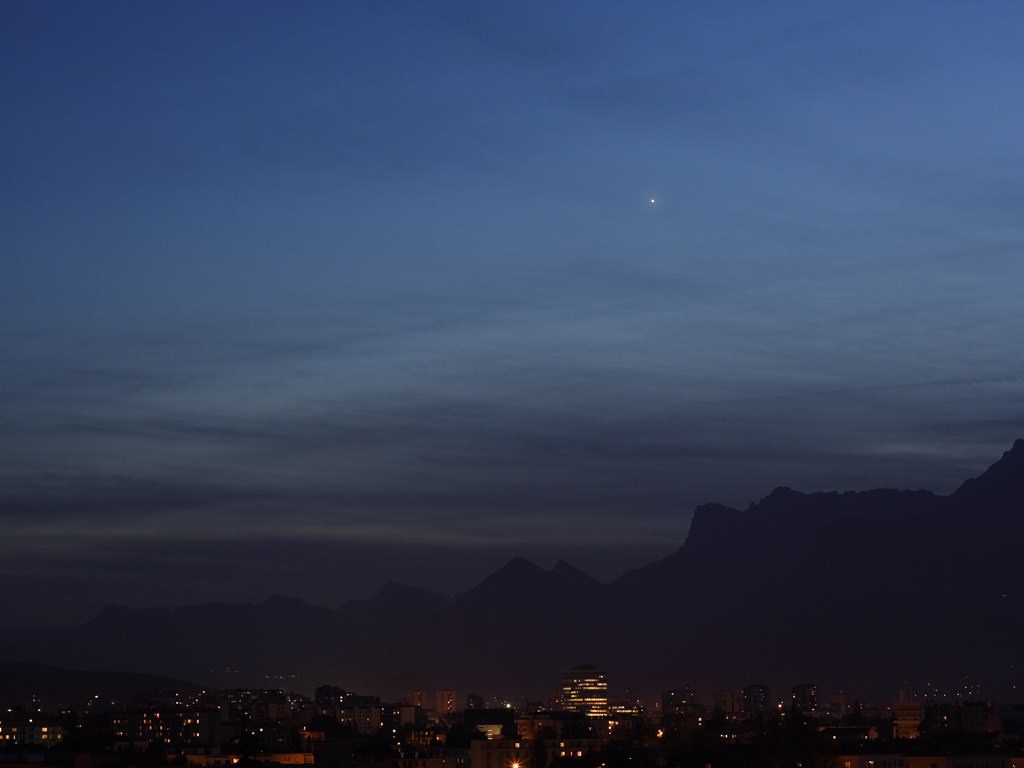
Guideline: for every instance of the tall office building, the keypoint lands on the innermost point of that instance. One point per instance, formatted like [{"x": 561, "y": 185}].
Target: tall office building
[
  {"x": 756, "y": 699},
  {"x": 680, "y": 710},
  {"x": 678, "y": 701},
  {"x": 805, "y": 698},
  {"x": 584, "y": 689},
  {"x": 444, "y": 702},
  {"x": 728, "y": 703}
]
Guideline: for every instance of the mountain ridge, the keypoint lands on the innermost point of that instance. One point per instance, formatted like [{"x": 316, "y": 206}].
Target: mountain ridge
[
  {"x": 868, "y": 588},
  {"x": 20, "y": 681}
]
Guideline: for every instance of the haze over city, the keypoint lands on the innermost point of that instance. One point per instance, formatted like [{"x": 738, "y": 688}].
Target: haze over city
[{"x": 301, "y": 298}]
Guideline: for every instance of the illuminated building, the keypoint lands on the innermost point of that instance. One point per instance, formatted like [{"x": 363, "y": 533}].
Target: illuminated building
[
  {"x": 171, "y": 725},
  {"x": 444, "y": 702},
  {"x": 493, "y": 723},
  {"x": 728, "y": 703},
  {"x": 585, "y": 690},
  {"x": 267, "y": 758},
  {"x": 329, "y": 697},
  {"x": 906, "y": 720},
  {"x": 869, "y": 761},
  {"x": 363, "y": 713},
  {"x": 573, "y": 749},
  {"x": 957, "y": 761},
  {"x": 756, "y": 699},
  {"x": 805, "y": 698},
  {"x": 431, "y": 761},
  {"x": 18, "y": 728},
  {"x": 678, "y": 701},
  {"x": 499, "y": 753},
  {"x": 680, "y": 710}
]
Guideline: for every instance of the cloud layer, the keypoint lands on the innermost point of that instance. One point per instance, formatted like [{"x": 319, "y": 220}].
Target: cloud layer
[{"x": 386, "y": 278}]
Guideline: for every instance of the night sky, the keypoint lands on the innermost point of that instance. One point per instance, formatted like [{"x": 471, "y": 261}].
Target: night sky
[{"x": 301, "y": 297}]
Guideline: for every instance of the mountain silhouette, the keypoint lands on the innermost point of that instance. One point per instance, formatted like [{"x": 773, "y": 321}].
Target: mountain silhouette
[
  {"x": 867, "y": 592},
  {"x": 56, "y": 687}
]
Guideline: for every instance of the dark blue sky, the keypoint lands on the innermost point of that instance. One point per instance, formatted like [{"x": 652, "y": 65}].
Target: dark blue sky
[{"x": 300, "y": 297}]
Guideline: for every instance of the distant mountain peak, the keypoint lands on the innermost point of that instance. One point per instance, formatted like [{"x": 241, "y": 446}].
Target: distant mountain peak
[
  {"x": 567, "y": 572},
  {"x": 520, "y": 576},
  {"x": 520, "y": 564},
  {"x": 782, "y": 494},
  {"x": 564, "y": 567},
  {"x": 1000, "y": 481},
  {"x": 516, "y": 569},
  {"x": 1014, "y": 455},
  {"x": 1016, "y": 452}
]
